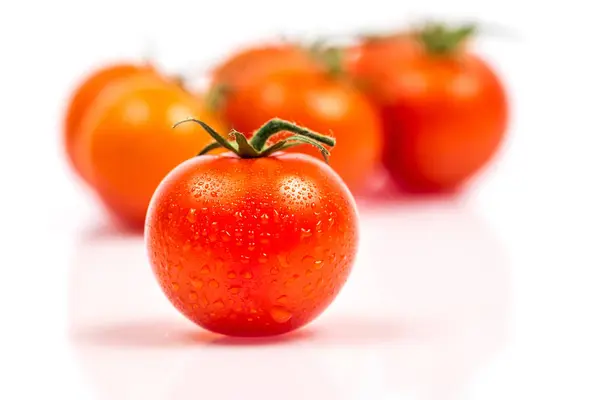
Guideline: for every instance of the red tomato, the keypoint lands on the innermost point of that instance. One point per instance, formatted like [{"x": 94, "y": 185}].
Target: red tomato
[
  {"x": 324, "y": 103},
  {"x": 445, "y": 110},
  {"x": 248, "y": 243},
  {"x": 83, "y": 99},
  {"x": 130, "y": 146}
]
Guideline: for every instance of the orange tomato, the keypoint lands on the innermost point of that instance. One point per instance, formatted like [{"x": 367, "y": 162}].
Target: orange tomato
[
  {"x": 83, "y": 98},
  {"x": 326, "y": 104},
  {"x": 130, "y": 145}
]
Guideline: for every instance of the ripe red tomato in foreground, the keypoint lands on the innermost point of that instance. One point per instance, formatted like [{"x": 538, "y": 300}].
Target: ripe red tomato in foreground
[
  {"x": 445, "y": 110},
  {"x": 253, "y": 242}
]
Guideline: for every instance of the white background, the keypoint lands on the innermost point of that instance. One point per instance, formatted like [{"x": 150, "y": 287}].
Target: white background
[{"x": 493, "y": 299}]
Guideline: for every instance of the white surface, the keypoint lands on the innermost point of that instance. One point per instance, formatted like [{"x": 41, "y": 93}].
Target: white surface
[{"x": 494, "y": 300}]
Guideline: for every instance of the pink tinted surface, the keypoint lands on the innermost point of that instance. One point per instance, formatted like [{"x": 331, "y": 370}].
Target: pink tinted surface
[{"x": 425, "y": 308}]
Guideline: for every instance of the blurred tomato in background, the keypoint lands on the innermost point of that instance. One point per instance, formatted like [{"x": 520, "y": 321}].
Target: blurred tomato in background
[
  {"x": 82, "y": 100},
  {"x": 445, "y": 110},
  {"x": 125, "y": 144},
  {"x": 287, "y": 81},
  {"x": 419, "y": 104},
  {"x": 324, "y": 104}
]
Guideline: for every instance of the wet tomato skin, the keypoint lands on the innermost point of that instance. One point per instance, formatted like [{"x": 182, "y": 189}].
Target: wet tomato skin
[{"x": 252, "y": 247}]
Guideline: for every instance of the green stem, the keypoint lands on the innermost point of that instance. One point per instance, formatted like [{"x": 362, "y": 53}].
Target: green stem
[
  {"x": 216, "y": 96},
  {"x": 254, "y": 148},
  {"x": 209, "y": 148},
  {"x": 277, "y": 125},
  {"x": 331, "y": 57},
  {"x": 296, "y": 140},
  {"x": 439, "y": 39},
  {"x": 215, "y": 135}
]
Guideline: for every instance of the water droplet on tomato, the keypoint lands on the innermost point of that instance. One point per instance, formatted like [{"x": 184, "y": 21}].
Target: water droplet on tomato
[
  {"x": 264, "y": 219},
  {"x": 191, "y": 216},
  {"x": 319, "y": 226},
  {"x": 284, "y": 260},
  {"x": 318, "y": 264},
  {"x": 247, "y": 275},
  {"x": 174, "y": 286},
  {"x": 305, "y": 232},
  {"x": 225, "y": 236},
  {"x": 307, "y": 288},
  {"x": 193, "y": 296},
  {"x": 205, "y": 270},
  {"x": 274, "y": 271},
  {"x": 280, "y": 315},
  {"x": 234, "y": 289},
  {"x": 213, "y": 284},
  {"x": 308, "y": 260},
  {"x": 219, "y": 304},
  {"x": 204, "y": 301},
  {"x": 263, "y": 258},
  {"x": 282, "y": 299},
  {"x": 231, "y": 275},
  {"x": 197, "y": 283},
  {"x": 251, "y": 246}
]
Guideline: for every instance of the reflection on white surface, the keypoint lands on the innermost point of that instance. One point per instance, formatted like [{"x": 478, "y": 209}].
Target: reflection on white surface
[{"x": 425, "y": 307}]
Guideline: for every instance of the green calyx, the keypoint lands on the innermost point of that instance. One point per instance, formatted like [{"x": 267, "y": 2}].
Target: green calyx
[
  {"x": 257, "y": 147},
  {"x": 331, "y": 57},
  {"x": 216, "y": 96},
  {"x": 440, "y": 39}
]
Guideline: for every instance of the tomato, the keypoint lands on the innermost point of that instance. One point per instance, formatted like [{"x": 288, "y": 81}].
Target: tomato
[
  {"x": 130, "y": 145},
  {"x": 253, "y": 242},
  {"x": 252, "y": 63},
  {"x": 83, "y": 98},
  {"x": 445, "y": 110},
  {"x": 325, "y": 104}
]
